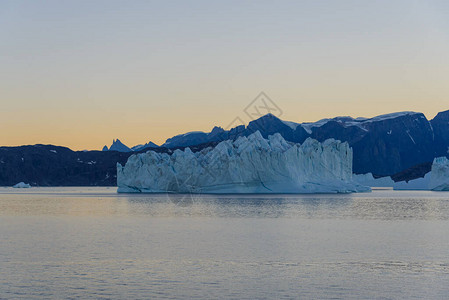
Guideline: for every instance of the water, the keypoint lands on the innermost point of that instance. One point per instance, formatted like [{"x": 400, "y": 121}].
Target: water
[{"x": 93, "y": 243}]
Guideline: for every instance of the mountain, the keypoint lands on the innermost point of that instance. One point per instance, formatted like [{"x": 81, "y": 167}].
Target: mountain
[
  {"x": 117, "y": 145},
  {"x": 402, "y": 143},
  {"x": 247, "y": 165},
  {"x": 383, "y": 145},
  {"x": 47, "y": 165},
  {"x": 150, "y": 144},
  {"x": 440, "y": 125},
  {"x": 188, "y": 139}
]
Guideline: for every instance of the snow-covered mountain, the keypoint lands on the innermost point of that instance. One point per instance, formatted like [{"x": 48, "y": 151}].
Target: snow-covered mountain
[{"x": 247, "y": 165}]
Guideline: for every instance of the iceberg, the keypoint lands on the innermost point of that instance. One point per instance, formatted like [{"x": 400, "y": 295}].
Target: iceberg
[
  {"x": 436, "y": 180},
  {"x": 22, "y": 185},
  {"x": 369, "y": 180},
  {"x": 247, "y": 165},
  {"x": 421, "y": 183},
  {"x": 439, "y": 175}
]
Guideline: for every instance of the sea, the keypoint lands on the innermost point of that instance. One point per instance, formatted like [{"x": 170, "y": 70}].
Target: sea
[{"x": 92, "y": 243}]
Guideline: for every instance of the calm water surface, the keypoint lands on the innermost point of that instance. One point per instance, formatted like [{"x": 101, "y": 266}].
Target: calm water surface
[{"x": 93, "y": 243}]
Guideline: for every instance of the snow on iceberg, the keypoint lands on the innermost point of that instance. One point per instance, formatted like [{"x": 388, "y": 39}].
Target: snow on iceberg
[
  {"x": 247, "y": 165},
  {"x": 439, "y": 175},
  {"x": 22, "y": 185}
]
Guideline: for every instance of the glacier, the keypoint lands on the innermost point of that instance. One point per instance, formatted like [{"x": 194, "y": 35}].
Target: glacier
[{"x": 246, "y": 165}]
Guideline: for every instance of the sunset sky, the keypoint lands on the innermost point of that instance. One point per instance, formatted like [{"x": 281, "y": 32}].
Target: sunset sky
[{"x": 81, "y": 73}]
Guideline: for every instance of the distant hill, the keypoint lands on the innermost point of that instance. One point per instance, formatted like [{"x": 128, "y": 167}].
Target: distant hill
[{"x": 48, "y": 165}]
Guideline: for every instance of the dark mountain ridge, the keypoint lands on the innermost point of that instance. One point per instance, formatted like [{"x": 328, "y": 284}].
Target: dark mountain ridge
[
  {"x": 383, "y": 145},
  {"x": 48, "y": 165}
]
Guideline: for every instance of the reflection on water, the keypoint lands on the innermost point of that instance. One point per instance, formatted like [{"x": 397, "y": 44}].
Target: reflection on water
[
  {"x": 382, "y": 204},
  {"x": 95, "y": 243}
]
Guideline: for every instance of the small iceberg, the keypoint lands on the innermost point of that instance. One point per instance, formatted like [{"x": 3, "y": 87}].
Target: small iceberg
[
  {"x": 422, "y": 183},
  {"x": 369, "y": 180},
  {"x": 22, "y": 185},
  {"x": 439, "y": 176},
  {"x": 436, "y": 180}
]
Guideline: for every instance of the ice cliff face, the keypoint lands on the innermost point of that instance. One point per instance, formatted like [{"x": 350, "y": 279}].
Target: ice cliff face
[
  {"x": 247, "y": 165},
  {"x": 439, "y": 176}
]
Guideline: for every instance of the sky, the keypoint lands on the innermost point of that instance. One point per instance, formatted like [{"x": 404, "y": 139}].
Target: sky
[{"x": 81, "y": 73}]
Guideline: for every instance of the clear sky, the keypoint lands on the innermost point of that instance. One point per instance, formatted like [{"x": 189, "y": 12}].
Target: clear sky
[{"x": 80, "y": 73}]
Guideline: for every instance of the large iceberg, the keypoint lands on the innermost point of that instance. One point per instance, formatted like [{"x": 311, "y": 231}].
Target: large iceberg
[{"x": 247, "y": 165}]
